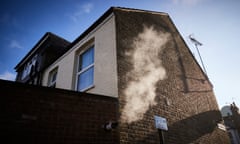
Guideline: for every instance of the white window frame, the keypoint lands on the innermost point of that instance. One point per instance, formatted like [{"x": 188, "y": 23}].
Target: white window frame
[
  {"x": 28, "y": 66},
  {"x": 51, "y": 74},
  {"x": 78, "y": 73}
]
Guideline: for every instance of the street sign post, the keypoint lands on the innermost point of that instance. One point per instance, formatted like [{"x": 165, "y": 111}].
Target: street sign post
[{"x": 161, "y": 125}]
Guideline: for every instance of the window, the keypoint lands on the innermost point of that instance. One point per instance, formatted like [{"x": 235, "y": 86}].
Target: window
[
  {"x": 85, "y": 70},
  {"x": 29, "y": 66},
  {"x": 52, "y": 78}
]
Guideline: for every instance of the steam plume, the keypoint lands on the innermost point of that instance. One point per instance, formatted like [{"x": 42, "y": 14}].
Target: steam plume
[{"x": 147, "y": 71}]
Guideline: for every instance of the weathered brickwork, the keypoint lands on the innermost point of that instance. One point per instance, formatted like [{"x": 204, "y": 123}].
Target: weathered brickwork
[
  {"x": 39, "y": 115},
  {"x": 185, "y": 97}
]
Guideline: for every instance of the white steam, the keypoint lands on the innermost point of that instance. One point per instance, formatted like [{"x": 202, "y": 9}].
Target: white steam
[{"x": 147, "y": 71}]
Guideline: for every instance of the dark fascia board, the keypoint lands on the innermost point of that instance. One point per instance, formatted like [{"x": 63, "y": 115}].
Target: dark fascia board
[
  {"x": 103, "y": 17},
  {"x": 45, "y": 37},
  {"x": 140, "y": 10},
  {"x": 95, "y": 24}
]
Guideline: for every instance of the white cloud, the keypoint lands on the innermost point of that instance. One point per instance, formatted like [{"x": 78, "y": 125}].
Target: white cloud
[
  {"x": 87, "y": 8},
  {"x": 8, "y": 76},
  {"x": 186, "y": 2},
  {"x": 80, "y": 9},
  {"x": 15, "y": 44}
]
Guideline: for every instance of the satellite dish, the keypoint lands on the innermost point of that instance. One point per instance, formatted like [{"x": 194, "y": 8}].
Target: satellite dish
[{"x": 226, "y": 111}]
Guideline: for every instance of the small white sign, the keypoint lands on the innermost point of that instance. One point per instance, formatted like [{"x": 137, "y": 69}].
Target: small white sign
[
  {"x": 160, "y": 123},
  {"x": 222, "y": 127}
]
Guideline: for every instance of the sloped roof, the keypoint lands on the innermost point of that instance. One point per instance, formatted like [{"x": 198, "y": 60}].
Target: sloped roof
[
  {"x": 104, "y": 16},
  {"x": 46, "y": 36}
]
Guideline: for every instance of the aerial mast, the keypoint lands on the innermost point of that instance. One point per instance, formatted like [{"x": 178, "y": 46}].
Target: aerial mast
[{"x": 197, "y": 43}]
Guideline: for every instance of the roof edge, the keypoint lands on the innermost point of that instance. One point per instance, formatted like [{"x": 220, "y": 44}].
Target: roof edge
[
  {"x": 37, "y": 45},
  {"x": 95, "y": 24},
  {"x": 140, "y": 10},
  {"x": 105, "y": 15}
]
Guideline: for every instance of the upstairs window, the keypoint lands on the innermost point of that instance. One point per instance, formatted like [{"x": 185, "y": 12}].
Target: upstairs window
[
  {"x": 85, "y": 70},
  {"x": 29, "y": 67},
  {"x": 52, "y": 78}
]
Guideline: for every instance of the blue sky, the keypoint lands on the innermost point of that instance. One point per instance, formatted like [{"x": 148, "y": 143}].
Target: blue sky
[{"x": 215, "y": 23}]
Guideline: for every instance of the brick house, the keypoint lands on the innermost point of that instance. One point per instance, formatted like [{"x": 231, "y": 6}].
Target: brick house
[{"x": 139, "y": 58}]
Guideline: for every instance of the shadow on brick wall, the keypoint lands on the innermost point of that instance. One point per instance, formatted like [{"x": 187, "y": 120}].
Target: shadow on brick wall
[
  {"x": 197, "y": 128},
  {"x": 200, "y": 128}
]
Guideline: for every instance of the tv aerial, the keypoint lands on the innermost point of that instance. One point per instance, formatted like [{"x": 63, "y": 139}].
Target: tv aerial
[{"x": 197, "y": 43}]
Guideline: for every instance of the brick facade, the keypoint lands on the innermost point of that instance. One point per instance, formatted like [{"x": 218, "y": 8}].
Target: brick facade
[
  {"x": 184, "y": 97},
  {"x": 39, "y": 115}
]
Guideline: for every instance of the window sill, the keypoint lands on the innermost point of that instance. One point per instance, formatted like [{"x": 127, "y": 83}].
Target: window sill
[{"x": 88, "y": 88}]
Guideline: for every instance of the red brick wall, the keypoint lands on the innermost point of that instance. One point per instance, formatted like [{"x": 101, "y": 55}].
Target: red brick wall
[
  {"x": 40, "y": 115},
  {"x": 184, "y": 97}
]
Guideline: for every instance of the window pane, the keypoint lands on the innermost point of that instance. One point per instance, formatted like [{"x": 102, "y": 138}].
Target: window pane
[
  {"x": 54, "y": 77},
  {"x": 85, "y": 79},
  {"x": 86, "y": 59}
]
